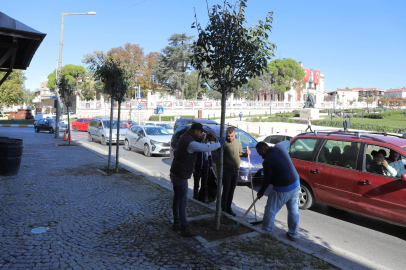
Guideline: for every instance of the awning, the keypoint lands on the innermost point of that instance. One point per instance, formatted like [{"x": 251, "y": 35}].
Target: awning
[{"x": 18, "y": 44}]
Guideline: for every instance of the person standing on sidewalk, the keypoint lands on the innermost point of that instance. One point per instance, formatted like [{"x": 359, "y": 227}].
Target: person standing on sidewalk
[
  {"x": 345, "y": 124},
  {"x": 203, "y": 163},
  {"x": 231, "y": 165},
  {"x": 309, "y": 124},
  {"x": 183, "y": 165},
  {"x": 282, "y": 175},
  {"x": 240, "y": 115}
]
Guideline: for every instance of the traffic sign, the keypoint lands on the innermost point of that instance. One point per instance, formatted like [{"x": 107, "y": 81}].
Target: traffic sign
[
  {"x": 139, "y": 100},
  {"x": 53, "y": 97},
  {"x": 139, "y": 107},
  {"x": 160, "y": 110}
]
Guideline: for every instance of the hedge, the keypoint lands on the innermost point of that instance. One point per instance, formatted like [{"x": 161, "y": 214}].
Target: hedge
[
  {"x": 337, "y": 124},
  {"x": 168, "y": 117}
]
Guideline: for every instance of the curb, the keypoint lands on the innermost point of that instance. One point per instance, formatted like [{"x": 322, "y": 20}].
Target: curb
[{"x": 16, "y": 125}]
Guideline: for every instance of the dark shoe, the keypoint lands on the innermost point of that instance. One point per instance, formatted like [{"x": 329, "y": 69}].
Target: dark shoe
[
  {"x": 176, "y": 226},
  {"x": 189, "y": 232},
  {"x": 231, "y": 213},
  {"x": 290, "y": 237}
]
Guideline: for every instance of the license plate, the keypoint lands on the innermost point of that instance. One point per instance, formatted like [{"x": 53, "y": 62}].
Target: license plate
[{"x": 167, "y": 152}]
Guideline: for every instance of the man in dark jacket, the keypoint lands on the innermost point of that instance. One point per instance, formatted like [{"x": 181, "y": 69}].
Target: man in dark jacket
[
  {"x": 345, "y": 124},
  {"x": 282, "y": 175},
  {"x": 203, "y": 163},
  {"x": 183, "y": 165}
]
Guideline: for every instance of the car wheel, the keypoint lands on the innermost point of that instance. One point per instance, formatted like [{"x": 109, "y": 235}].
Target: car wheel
[
  {"x": 75, "y": 128},
  {"x": 51, "y": 130},
  {"x": 127, "y": 145},
  {"x": 306, "y": 197},
  {"x": 89, "y": 137},
  {"x": 103, "y": 141},
  {"x": 147, "y": 152},
  {"x": 36, "y": 129}
]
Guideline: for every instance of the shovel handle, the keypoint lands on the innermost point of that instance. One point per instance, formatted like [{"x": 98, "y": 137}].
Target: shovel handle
[{"x": 246, "y": 213}]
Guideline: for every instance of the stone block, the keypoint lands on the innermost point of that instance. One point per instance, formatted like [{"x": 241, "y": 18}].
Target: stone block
[{"x": 310, "y": 112}]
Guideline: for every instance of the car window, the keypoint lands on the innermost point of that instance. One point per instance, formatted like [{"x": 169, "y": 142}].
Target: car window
[
  {"x": 340, "y": 153},
  {"x": 140, "y": 132},
  {"x": 267, "y": 139},
  {"x": 156, "y": 131},
  {"x": 245, "y": 139},
  {"x": 80, "y": 120},
  {"x": 383, "y": 161},
  {"x": 276, "y": 139},
  {"x": 40, "y": 121},
  {"x": 303, "y": 148},
  {"x": 134, "y": 129},
  {"x": 106, "y": 124}
]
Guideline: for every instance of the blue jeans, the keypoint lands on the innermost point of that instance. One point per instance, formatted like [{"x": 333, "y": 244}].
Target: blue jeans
[
  {"x": 275, "y": 202},
  {"x": 180, "y": 187}
]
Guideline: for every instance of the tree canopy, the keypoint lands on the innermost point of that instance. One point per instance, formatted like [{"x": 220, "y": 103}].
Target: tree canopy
[
  {"x": 71, "y": 71},
  {"x": 285, "y": 74},
  {"x": 174, "y": 63},
  {"x": 193, "y": 88},
  {"x": 12, "y": 91}
]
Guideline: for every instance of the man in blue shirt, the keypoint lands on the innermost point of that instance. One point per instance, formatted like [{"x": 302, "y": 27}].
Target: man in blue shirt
[{"x": 282, "y": 175}]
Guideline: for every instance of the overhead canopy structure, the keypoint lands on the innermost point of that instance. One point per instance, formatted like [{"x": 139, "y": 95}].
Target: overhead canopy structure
[{"x": 18, "y": 44}]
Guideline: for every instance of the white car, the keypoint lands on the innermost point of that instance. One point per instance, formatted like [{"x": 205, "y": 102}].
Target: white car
[
  {"x": 168, "y": 127},
  {"x": 273, "y": 139},
  {"x": 149, "y": 139}
]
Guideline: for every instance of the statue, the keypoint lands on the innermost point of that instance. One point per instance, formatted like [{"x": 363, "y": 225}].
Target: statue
[{"x": 309, "y": 103}]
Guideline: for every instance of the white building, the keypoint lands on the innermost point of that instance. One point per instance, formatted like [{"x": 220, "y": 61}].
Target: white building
[{"x": 396, "y": 93}]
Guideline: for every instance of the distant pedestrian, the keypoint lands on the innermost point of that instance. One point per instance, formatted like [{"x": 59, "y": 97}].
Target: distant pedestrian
[
  {"x": 203, "y": 163},
  {"x": 282, "y": 175},
  {"x": 309, "y": 125},
  {"x": 345, "y": 124},
  {"x": 240, "y": 115},
  {"x": 183, "y": 165}
]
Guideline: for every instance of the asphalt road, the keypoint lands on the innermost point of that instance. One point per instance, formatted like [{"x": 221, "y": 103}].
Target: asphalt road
[{"x": 354, "y": 241}]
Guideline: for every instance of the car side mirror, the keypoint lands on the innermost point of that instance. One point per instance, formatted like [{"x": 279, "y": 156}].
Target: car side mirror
[{"x": 403, "y": 177}]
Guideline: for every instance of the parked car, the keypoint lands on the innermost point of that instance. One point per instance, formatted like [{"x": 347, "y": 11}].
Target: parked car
[
  {"x": 81, "y": 124},
  {"x": 99, "y": 129},
  {"x": 168, "y": 127},
  {"x": 213, "y": 135},
  {"x": 339, "y": 169},
  {"x": 149, "y": 139},
  {"x": 49, "y": 124},
  {"x": 149, "y": 124},
  {"x": 273, "y": 139},
  {"x": 182, "y": 121}
]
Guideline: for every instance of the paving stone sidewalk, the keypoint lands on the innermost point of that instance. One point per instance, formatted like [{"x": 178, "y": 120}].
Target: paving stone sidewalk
[{"x": 121, "y": 221}]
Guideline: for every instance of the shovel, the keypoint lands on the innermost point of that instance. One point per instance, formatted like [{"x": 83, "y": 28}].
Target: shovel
[
  {"x": 252, "y": 185},
  {"x": 246, "y": 213}
]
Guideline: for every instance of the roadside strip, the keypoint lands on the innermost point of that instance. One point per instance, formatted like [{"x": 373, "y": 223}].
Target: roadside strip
[{"x": 15, "y": 125}]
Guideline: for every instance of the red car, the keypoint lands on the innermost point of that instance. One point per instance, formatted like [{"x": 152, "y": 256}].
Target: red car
[
  {"x": 81, "y": 124},
  {"x": 361, "y": 172}
]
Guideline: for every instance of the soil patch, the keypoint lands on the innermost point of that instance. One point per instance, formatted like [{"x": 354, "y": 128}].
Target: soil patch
[
  {"x": 208, "y": 230},
  {"x": 113, "y": 171},
  {"x": 66, "y": 144}
]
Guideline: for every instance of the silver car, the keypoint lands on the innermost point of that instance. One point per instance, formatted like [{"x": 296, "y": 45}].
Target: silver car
[
  {"x": 149, "y": 139},
  {"x": 99, "y": 129}
]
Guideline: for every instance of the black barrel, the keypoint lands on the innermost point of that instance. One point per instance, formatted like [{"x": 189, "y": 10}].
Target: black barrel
[{"x": 11, "y": 151}]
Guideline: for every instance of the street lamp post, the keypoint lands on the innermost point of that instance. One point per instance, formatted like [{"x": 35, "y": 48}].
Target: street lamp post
[{"x": 58, "y": 103}]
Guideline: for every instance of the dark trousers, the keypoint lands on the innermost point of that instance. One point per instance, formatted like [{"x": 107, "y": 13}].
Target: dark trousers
[
  {"x": 230, "y": 178},
  {"x": 309, "y": 126},
  {"x": 200, "y": 174},
  {"x": 180, "y": 188}
]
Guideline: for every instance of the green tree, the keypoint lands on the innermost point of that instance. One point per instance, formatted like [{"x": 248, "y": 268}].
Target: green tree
[
  {"x": 66, "y": 88},
  {"x": 251, "y": 88},
  {"x": 191, "y": 85},
  {"x": 12, "y": 91},
  {"x": 74, "y": 71},
  {"x": 360, "y": 99},
  {"x": 88, "y": 89},
  {"x": 286, "y": 74},
  {"x": 174, "y": 63},
  {"x": 227, "y": 54}
]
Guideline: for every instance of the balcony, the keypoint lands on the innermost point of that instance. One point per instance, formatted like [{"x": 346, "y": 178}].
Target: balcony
[{"x": 37, "y": 99}]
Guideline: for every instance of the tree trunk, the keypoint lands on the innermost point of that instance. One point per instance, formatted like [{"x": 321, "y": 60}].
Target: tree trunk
[
  {"x": 111, "y": 131},
  {"x": 220, "y": 165},
  {"x": 197, "y": 86},
  {"x": 182, "y": 86},
  {"x": 118, "y": 135}
]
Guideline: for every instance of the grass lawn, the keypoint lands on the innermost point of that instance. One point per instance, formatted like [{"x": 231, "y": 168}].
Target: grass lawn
[
  {"x": 397, "y": 121},
  {"x": 21, "y": 122}
]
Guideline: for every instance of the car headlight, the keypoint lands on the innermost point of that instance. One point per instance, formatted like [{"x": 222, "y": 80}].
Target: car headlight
[{"x": 156, "y": 143}]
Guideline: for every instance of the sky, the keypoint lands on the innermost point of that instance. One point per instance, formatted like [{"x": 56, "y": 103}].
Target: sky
[{"x": 354, "y": 43}]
